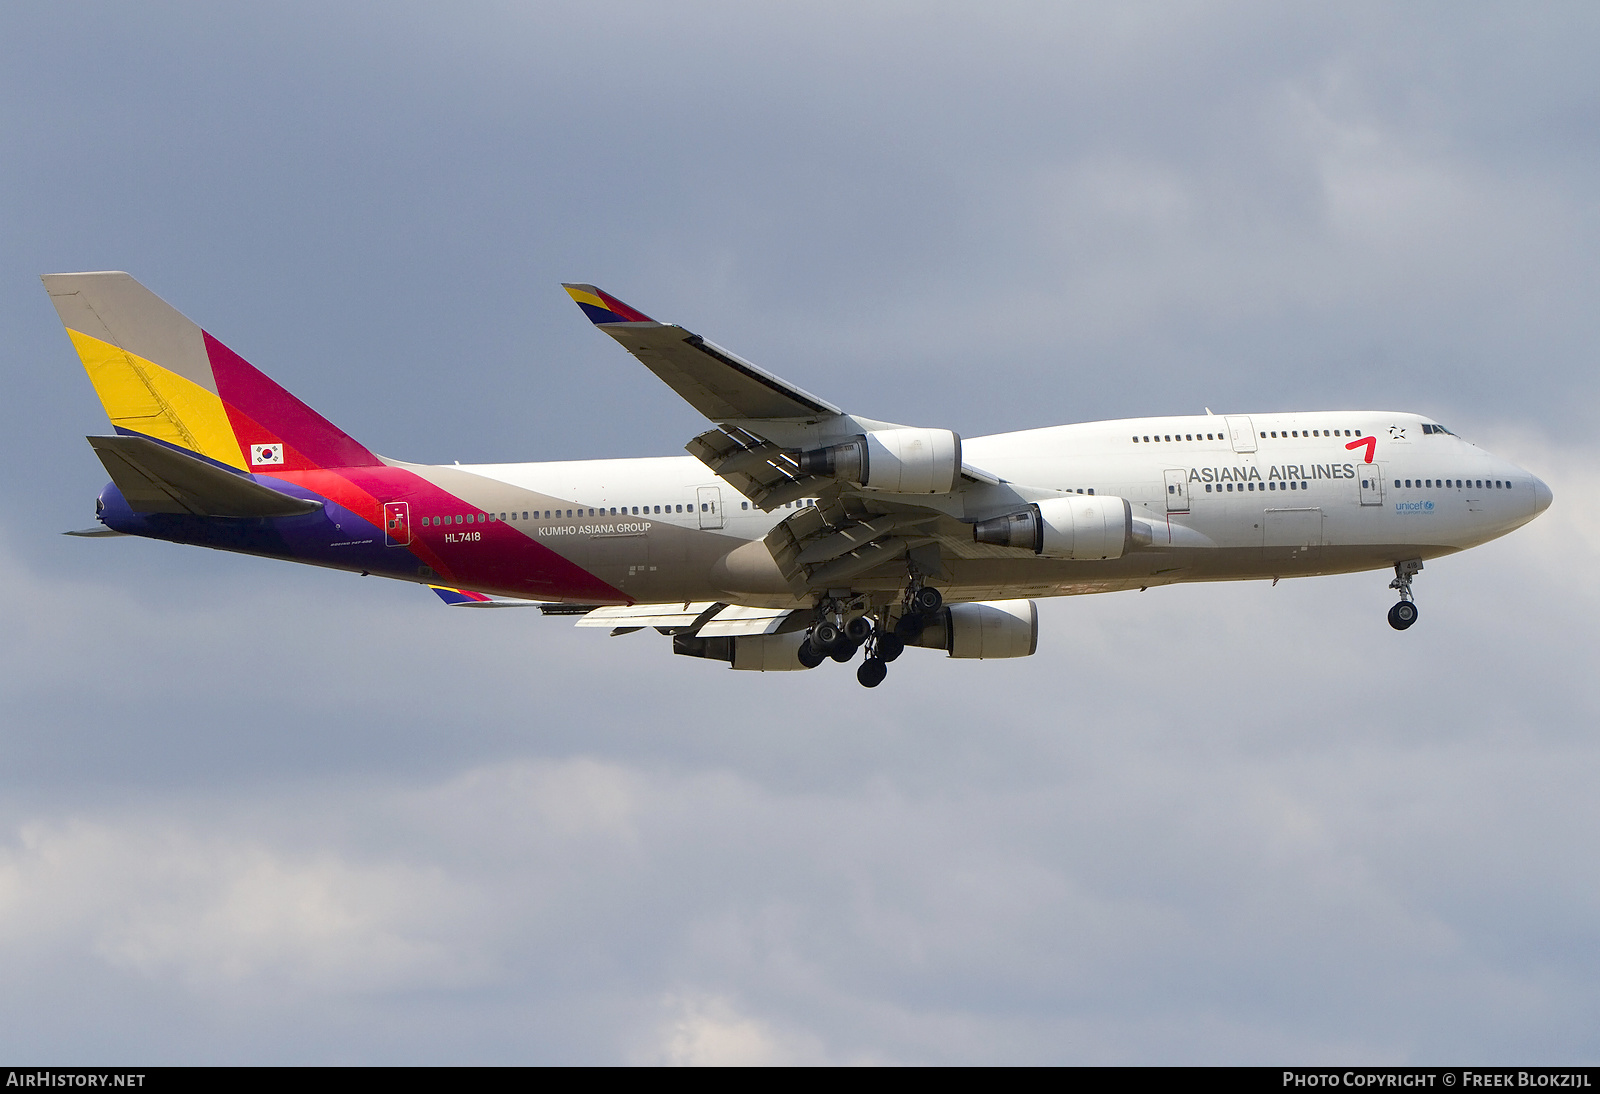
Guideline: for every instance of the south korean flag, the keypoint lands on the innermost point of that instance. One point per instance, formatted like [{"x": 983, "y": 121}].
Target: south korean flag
[{"x": 266, "y": 455}]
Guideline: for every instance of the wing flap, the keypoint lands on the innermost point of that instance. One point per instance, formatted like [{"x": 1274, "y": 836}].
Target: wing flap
[
  {"x": 760, "y": 470},
  {"x": 154, "y": 478},
  {"x": 648, "y": 615},
  {"x": 737, "y": 619}
]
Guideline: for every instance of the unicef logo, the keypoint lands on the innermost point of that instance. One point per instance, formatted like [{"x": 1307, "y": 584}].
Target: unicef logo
[{"x": 1427, "y": 506}]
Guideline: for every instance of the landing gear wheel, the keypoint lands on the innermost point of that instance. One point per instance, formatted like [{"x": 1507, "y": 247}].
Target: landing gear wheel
[
  {"x": 1402, "y": 615},
  {"x": 889, "y": 647},
  {"x": 858, "y": 630},
  {"x": 927, "y": 600},
  {"x": 908, "y": 628},
  {"x": 810, "y": 656},
  {"x": 844, "y": 652},
  {"x": 871, "y": 672},
  {"x": 825, "y": 636}
]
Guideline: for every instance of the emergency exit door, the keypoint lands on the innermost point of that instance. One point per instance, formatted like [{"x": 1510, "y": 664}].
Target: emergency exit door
[
  {"x": 1177, "y": 491},
  {"x": 1371, "y": 476},
  {"x": 396, "y": 523},
  {"x": 710, "y": 504}
]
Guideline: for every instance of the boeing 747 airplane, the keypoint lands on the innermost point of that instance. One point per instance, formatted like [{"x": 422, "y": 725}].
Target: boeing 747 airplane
[{"x": 795, "y": 531}]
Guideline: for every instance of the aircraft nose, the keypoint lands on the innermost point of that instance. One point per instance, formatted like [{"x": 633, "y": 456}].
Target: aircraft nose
[{"x": 1541, "y": 496}]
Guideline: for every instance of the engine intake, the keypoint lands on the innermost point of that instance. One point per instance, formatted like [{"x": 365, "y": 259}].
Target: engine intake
[
  {"x": 984, "y": 629},
  {"x": 899, "y": 461},
  {"x": 1087, "y": 527}
]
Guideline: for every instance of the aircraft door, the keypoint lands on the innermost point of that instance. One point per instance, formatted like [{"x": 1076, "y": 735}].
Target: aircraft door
[
  {"x": 710, "y": 505},
  {"x": 1177, "y": 491},
  {"x": 1242, "y": 432},
  {"x": 1371, "y": 476},
  {"x": 396, "y": 523}
]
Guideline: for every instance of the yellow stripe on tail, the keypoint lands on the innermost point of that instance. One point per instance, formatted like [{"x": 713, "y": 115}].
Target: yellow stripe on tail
[{"x": 143, "y": 397}]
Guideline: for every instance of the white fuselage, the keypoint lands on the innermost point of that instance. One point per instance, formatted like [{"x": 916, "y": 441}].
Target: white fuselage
[{"x": 1235, "y": 497}]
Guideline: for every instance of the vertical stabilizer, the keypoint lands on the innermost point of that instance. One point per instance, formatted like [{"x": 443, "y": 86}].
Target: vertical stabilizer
[{"x": 160, "y": 376}]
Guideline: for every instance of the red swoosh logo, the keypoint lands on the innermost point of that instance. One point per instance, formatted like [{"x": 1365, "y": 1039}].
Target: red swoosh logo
[{"x": 1370, "y": 442}]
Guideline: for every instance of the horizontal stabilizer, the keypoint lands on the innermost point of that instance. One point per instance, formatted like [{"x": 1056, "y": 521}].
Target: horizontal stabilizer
[
  {"x": 467, "y": 598},
  {"x": 94, "y": 533},
  {"x": 154, "y": 478}
]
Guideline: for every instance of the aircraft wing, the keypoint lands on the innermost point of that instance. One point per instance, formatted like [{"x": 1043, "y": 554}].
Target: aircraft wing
[
  {"x": 715, "y": 382},
  {"x": 765, "y": 424}
]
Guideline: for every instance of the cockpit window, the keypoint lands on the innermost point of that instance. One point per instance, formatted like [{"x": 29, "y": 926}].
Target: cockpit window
[{"x": 1428, "y": 428}]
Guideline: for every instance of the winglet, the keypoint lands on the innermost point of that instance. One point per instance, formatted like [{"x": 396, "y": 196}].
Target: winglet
[{"x": 603, "y": 308}]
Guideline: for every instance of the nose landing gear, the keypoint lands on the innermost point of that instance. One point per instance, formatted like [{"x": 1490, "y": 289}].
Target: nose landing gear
[{"x": 1403, "y": 614}]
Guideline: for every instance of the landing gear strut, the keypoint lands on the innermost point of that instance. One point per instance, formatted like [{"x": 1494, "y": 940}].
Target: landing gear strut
[
  {"x": 919, "y": 602},
  {"x": 838, "y": 634},
  {"x": 1403, "y": 614}
]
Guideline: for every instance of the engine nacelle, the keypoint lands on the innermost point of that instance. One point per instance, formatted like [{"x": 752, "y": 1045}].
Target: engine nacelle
[
  {"x": 1076, "y": 526},
  {"x": 751, "y": 652},
  {"x": 985, "y": 629},
  {"x": 899, "y": 461}
]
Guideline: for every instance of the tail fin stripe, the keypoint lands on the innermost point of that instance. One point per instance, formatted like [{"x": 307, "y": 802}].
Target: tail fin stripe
[
  {"x": 142, "y": 397},
  {"x": 319, "y": 441}
]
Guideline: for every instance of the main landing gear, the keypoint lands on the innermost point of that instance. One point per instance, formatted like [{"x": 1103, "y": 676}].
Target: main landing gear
[
  {"x": 838, "y": 635},
  {"x": 1403, "y": 614}
]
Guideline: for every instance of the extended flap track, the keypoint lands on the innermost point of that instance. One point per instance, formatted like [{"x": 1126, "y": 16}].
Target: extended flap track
[
  {"x": 828, "y": 545},
  {"x": 766, "y": 474}
]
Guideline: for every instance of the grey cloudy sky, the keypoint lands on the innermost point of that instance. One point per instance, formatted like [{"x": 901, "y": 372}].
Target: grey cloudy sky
[{"x": 253, "y": 813}]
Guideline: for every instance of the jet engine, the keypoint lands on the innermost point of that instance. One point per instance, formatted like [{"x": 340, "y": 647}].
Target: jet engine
[
  {"x": 753, "y": 652},
  {"x": 985, "y": 629},
  {"x": 1078, "y": 526},
  {"x": 900, "y": 461}
]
